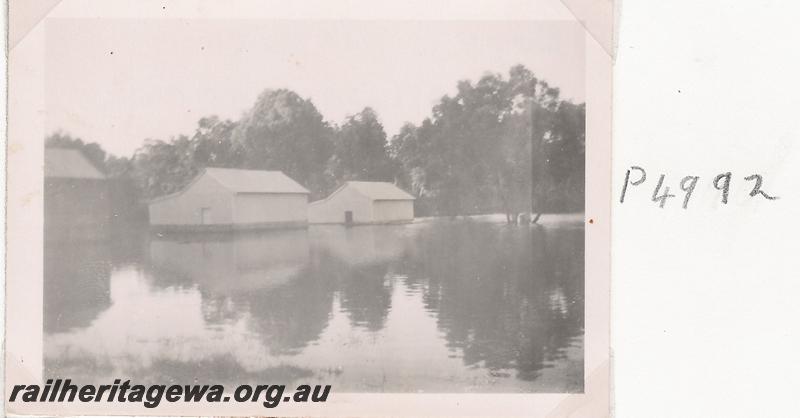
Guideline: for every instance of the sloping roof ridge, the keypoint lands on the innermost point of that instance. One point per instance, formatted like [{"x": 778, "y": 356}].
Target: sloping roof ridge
[
  {"x": 330, "y": 196},
  {"x": 359, "y": 191},
  {"x": 232, "y": 179},
  {"x": 386, "y": 183},
  {"x": 242, "y": 169},
  {"x": 52, "y": 151},
  {"x": 225, "y": 185},
  {"x": 184, "y": 188}
]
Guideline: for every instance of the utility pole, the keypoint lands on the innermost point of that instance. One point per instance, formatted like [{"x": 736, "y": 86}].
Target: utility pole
[{"x": 537, "y": 163}]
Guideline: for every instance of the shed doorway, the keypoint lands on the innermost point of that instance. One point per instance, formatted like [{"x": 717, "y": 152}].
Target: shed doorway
[
  {"x": 205, "y": 216},
  {"x": 348, "y": 217}
]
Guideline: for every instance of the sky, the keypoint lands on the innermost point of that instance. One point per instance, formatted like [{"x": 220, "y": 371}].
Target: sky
[{"x": 119, "y": 82}]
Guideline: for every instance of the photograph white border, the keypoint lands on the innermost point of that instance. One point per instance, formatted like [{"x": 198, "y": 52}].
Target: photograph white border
[{"x": 26, "y": 105}]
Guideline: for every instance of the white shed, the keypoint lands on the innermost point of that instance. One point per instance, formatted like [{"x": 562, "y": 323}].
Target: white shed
[
  {"x": 363, "y": 202},
  {"x": 222, "y": 198}
]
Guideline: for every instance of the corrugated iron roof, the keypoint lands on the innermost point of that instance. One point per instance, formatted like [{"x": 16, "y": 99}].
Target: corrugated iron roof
[
  {"x": 380, "y": 190},
  {"x": 255, "y": 181},
  {"x": 69, "y": 163}
]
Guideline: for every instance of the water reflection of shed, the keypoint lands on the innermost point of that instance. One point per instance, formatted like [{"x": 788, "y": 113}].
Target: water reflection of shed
[
  {"x": 229, "y": 263},
  {"x": 76, "y": 284},
  {"x": 365, "y": 244},
  {"x": 265, "y": 274}
]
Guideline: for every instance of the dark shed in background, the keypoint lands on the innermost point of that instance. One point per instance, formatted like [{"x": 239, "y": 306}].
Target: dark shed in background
[{"x": 76, "y": 197}]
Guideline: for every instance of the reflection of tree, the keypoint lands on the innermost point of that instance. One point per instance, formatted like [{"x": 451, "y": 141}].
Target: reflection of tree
[
  {"x": 219, "y": 370},
  {"x": 358, "y": 259},
  {"x": 77, "y": 289},
  {"x": 76, "y": 284},
  {"x": 127, "y": 245},
  {"x": 503, "y": 306},
  {"x": 367, "y": 296},
  {"x": 505, "y": 298},
  {"x": 267, "y": 274},
  {"x": 366, "y": 293},
  {"x": 562, "y": 257},
  {"x": 288, "y": 317},
  {"x": 217, "y": 309}
]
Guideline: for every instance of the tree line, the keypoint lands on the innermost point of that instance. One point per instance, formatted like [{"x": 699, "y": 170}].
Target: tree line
[{"x": 504, "y": 144}]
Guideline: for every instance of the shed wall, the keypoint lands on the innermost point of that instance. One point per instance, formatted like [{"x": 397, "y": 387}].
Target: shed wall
[
  {"x": 393, "y": 210},
  {"x": 333, "y": 209},
  {"x": 76, "y": 209},
  {"x": 184, "y": 209},
  {"x": 264, "y": 208}
]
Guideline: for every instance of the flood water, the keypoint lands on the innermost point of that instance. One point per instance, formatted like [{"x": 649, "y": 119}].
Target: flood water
[{"x": 433, "y": 306}]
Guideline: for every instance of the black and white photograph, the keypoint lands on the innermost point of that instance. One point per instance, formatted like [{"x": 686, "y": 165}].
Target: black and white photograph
[
  {"x": 417, "y": 208},
  {"x": 308, "y": 208},
  {"x": 380, "y": 206}
]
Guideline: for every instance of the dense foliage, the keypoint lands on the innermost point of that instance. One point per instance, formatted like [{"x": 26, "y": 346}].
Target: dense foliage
[{"x": 501, "y": 144}]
